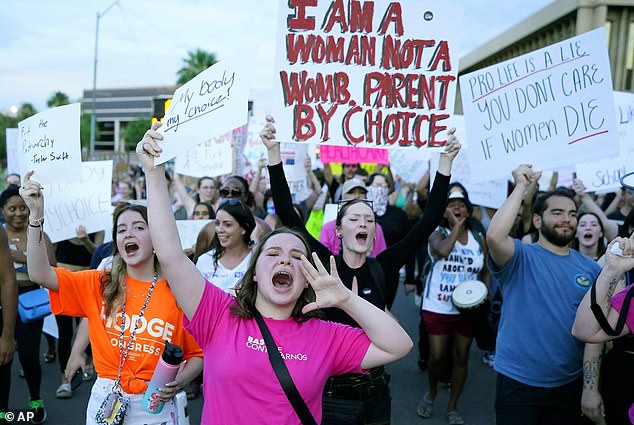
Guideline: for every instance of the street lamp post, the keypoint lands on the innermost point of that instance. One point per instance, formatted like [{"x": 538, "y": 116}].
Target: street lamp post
[{"x": 94, "y": 79}]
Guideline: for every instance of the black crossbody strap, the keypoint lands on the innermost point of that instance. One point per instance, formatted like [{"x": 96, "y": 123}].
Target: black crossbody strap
[
  {"x": 283, "y": 376},
  {"x": 598, "y": 313}
]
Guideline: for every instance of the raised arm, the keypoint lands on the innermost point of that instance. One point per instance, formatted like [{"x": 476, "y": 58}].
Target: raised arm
[
  {"x": 397, "y": 254},
  {"x": 610, "y": 228},
  {"x": 186, "y": 199},
  {"x": 281, "y": 193},
  {"x": 313, "y": 184},
  {"x": 586, "y": 326},
  {"x": 185, "y": 281},
  {"x": 89, "y": 244},
  {"x": 38, "y": 257},
  {"x": 8, "y": 300},
  {"x": 390, "y": 342},
  {"x": 501, "y": 246}
]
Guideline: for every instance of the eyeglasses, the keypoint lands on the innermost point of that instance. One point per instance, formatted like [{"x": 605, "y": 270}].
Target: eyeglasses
[
  {"x": 233, "y": 192},
  {"x": 343, "y": 202}
]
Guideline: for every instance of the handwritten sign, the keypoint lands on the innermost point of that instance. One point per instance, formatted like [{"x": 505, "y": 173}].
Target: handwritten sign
[
  {"x": 254, "y": 149},
  {"x": 12, "y": 151},
  {"x": 293, "y": 162},
  {"x": 86, "y": 202},
  {"x": 211, "y": 158},
  {"x": 604, "y": 175},
  {"x": 48, "y": 143},
  {"x": 549, "y": 108},
  {"x": 188, "y": 231},
  {"x": 212, "y": 103},
  {"x": 371, "y": 74},
  {"x": 353, "y": 155},
  {"x": 491, "y": 193},
  {"x": 409, "y": 165}
]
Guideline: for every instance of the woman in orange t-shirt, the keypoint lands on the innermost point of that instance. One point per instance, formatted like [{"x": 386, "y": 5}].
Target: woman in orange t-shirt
[{"x": 131, "y": 293}]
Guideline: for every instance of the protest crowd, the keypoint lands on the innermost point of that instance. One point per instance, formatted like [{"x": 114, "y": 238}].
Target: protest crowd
[{"x": 266, "y": 282}]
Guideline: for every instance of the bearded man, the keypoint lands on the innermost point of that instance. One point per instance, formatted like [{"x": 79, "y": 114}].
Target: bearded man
[{"x": 539, "y": 362}]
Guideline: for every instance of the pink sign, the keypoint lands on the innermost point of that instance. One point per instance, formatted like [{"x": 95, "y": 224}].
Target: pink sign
[{"x": 353, "y": 155}]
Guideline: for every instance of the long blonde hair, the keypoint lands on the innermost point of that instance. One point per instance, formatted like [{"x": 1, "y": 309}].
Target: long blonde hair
[{"x": 113, "y": 280}]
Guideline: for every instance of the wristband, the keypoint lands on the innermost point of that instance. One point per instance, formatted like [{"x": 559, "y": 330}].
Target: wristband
[{"x": 37, "y": 222}]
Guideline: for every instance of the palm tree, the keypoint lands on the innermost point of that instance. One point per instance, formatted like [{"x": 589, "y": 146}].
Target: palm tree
[
  {"x": 197, "y": 61},
  {"x": 57, "y": 99},
  {"x": 26, "y": 110}
]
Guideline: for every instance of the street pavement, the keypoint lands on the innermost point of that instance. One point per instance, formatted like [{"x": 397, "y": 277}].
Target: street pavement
[{"x": 408, "y": 383}]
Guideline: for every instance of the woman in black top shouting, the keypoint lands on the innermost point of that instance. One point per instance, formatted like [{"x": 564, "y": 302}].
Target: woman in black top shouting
[{"x": 376, "y": 278}]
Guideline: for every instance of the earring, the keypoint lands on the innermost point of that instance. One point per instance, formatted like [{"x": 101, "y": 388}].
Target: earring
[
  {"x": 340, "y": 236},
  {"x": 306, "y": 285}
]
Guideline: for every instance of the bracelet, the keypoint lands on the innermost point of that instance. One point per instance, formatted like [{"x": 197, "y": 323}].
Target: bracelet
[{"x": 37, "y": 222}]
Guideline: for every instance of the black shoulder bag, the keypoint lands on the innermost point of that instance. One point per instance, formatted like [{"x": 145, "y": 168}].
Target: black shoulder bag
[{"x": 283, "y": 376}]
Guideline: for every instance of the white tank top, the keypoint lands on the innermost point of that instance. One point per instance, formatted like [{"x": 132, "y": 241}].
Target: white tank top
[{"x": 463, "y": 263}]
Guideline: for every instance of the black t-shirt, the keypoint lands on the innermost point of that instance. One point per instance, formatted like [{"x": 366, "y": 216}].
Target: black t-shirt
[{"x": 390, "y": 260}]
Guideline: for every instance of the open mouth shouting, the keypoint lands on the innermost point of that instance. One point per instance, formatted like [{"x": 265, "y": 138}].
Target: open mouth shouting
[
  {"x": 131, "y": 248},
  {"x": 362, "y": 238},
  {"x": 282, "y": 280}
]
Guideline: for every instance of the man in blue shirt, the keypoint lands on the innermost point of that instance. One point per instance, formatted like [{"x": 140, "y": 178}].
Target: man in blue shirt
[{"x": 539, "y": 362}]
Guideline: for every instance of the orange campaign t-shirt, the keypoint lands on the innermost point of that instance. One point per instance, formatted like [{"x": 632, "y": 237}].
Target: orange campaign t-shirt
[{"x": 79, "y": 294}]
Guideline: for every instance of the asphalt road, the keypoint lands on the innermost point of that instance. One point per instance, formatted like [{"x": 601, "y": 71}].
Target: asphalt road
[{"x": 407, "y": 385}]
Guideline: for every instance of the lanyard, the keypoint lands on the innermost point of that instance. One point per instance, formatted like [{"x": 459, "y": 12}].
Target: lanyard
[{"x": 123, "y": 356}]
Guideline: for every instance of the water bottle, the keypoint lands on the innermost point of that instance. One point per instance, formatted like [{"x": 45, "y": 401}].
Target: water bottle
[{"x": 166, "y": 370}]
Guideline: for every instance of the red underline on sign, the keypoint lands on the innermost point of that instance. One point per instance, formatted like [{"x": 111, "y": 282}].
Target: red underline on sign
[
  {"x": 529, "y": 75},
  {"x": 588, "y": 136}
]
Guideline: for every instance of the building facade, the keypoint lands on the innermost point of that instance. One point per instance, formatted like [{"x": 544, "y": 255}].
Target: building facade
[{"x": 115, "y": 108}]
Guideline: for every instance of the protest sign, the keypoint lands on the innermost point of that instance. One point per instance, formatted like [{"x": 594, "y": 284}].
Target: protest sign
[
  {"x": 409, "y": 165},
  {"x": 86, "y": 202},
  {"x": 603, "y": 174},
  {"x": 12, "y": 151},
  {"x": 211, "y": 158},
  {"x": 212, "y": 103},
  {"x": 293, "y": 156},
  {"x": 254, "y": 149},
  {"x": 491, "y": 194},
  {"x": 353, "y": 155},
  {"x": 371, "y": 74},
  {"x": 188, "y": 231},
  {"x": 48, "y": 143},
  {"x": 550, "y": 108}
]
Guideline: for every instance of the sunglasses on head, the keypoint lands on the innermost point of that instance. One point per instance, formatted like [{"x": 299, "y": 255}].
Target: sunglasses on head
[
  {"x": 343, "y": 202},
  {"x": 233, "y": 192}
]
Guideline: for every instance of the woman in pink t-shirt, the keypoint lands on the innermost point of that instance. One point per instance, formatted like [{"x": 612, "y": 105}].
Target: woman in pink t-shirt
[{"x": 283, "y": 286}]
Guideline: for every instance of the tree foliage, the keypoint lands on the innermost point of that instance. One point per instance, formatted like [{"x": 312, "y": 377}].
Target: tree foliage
[
  {"x": 57, "y": 99},
  {"x": 134, "y": 131},
  {"x": 196, "y": 62}
]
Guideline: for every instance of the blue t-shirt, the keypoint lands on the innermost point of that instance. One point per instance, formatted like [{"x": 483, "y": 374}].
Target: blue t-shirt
[{"x": 541, "y": 291}]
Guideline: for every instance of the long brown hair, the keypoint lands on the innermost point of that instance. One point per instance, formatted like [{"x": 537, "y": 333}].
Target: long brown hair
[
  {"x": 247, "y": 289},
  {"x": 113, "y": 280}
]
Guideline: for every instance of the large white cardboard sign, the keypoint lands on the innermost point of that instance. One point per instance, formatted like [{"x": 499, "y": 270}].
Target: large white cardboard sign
[
  {"x": 49, "y": 144},
  {"x": 491, "y": 194},
  {"x": 212, "y": 103},
  {"x": 211, "y": 158},
  {"x": 550, "y": 108},
  {"x": 604, "y": 175},
  {"x": 188, "y": 231},
  {"x": 67, "y": 205},
  {"x": 12, "y": 151},
  {"x": 372, "y": 74}
]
